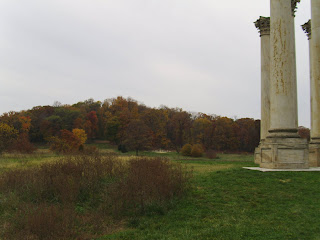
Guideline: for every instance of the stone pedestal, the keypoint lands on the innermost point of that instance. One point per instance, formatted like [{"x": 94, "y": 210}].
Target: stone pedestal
[
  {"x": 314, "y": 155},
  {"x": 284, "y": 153},
  {"x": 283, "y": 148}
]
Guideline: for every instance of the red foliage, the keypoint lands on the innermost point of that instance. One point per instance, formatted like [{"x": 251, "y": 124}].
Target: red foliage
[
  {"x": 22, "y": 144},
  {"x": 91, "y": 125},
  {"x": 67, "y": 142}
]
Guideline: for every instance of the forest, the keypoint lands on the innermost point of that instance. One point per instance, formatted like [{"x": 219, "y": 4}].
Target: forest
[{"x": 128, "y": 124}]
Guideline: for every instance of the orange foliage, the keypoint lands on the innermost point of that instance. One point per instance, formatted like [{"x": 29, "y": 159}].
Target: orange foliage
[{"x": 25, "y": 123}]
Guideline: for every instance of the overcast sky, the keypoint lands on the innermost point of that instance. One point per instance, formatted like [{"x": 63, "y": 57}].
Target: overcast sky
[{"x": 200, "y": 55}]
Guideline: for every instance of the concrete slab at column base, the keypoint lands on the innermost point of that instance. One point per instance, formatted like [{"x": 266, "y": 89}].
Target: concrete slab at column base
[
  {"x": 314, "y": 154},
  {"x": 283, "y": 170},
  {"x": 284, "y": 153}
]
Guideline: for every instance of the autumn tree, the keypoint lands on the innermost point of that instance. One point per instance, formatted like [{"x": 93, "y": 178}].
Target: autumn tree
[
  {"x": 225, "y": 137},
  {"x": 22, "y": 143},
  {"x": 91, "y": 125},
  {"x": 7, "y": 135},
  {"x": 111, "y": 127},
  {"x": 156, "y": 120},
  {"x": 40, "y": 127},
  {"x": 248, "y": 134},
  {"x": 125, "y": 110},
  {"x": 65, "y": 142},
  {"x": 203, "y": 131},
  {"x": 78, "y": 123},
  {"x": 138, "y": 136},
  {"x": 178, "y": 128},
  {"x": 88, "y": 106},
  {"x": 81, "y": 134}
]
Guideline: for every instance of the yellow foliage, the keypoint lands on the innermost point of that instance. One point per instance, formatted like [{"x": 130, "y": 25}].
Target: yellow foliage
[
  {"x": 7, "y": 135},
  {"x": 81, "y": 134}
]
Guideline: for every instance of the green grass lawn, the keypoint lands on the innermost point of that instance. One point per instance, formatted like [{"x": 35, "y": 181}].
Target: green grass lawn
[
  {"x": 225, "y": 202},
  {"x": 228, "y": 202}
]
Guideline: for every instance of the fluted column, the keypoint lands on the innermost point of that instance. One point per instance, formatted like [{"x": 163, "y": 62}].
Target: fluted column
[
  {"x": 283, "y": 148},
  {"x": 283, "y": 88},
  {"x": 315, "y": 71},
  {"x": 263, "y": 25},
  {"x": 307, "y": 29},
  {"x": 314, "y": 31}
]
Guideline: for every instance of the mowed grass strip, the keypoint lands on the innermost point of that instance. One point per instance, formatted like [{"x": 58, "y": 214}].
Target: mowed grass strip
[{"x": 238, "y": 204}]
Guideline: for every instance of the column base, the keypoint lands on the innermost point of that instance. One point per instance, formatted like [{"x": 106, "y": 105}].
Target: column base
[
  {"x": 257, "y": 155},
  {"x": 257, "y": 152},
  {"x": 283, "y": 133},
  {"x": 284, "y": 153},
  {"x": 314, "y": 153}
]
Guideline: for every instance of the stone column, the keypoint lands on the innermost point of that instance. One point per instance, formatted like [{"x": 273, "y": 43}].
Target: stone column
[
  {"x": 283, "y": 146},
  {"x": 284, "y": 113},
  {"x": 263, "y": 26},
  {"x": 307, "y": 29},
  {"x": 314, "y": 147}
]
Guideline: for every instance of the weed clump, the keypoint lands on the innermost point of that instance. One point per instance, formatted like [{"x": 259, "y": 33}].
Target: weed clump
[
  {"x": 149, "y": 183},
  {"x": 197, "y": 150},
  {"x": 186, "y": 150},
  {"x": 211, "y": 154}
]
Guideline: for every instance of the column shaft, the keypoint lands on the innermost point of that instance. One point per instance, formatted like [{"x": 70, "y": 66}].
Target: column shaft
[
  {"x": 263, "y": 25},
  {"x": 265, "y": 85},
  {"x": 315, "y": 70},
  {"x": 283, "y": 88}
]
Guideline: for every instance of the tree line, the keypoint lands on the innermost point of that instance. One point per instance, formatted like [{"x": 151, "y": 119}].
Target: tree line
[{"x": 131, "y": 126}]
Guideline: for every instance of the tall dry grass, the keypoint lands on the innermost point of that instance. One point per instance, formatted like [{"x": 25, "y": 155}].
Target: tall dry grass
[{"x": 83, "y": 196}]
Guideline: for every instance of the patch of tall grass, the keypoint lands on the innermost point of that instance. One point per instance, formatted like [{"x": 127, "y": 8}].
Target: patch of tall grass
[{"x": 83, "y": 196}]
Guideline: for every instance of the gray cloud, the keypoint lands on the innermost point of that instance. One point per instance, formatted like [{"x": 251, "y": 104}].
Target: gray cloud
[{"x": 199, "y": 55}]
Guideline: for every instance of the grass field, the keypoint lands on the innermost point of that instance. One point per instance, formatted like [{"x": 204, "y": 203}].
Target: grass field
[
  {"x": 225, "y": 202},
  {"x": 239, "y": 204}
]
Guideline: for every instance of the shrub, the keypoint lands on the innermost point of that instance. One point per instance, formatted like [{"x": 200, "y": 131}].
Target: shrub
[
  {"x": 44, "y": 222},
  {"x": 122, "y": 148},
  {"x": 90, "y": 150},
  {"x": 197, "y": 150},
  {"x": 22, "y": 144},
  {"x": 62, "y": 181},
  {"x": 66, "y": 142},
  {"x": 186, "y": 150},
  {"x": 211, "y": 154},
  {"x": 149, "y": 184}
]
